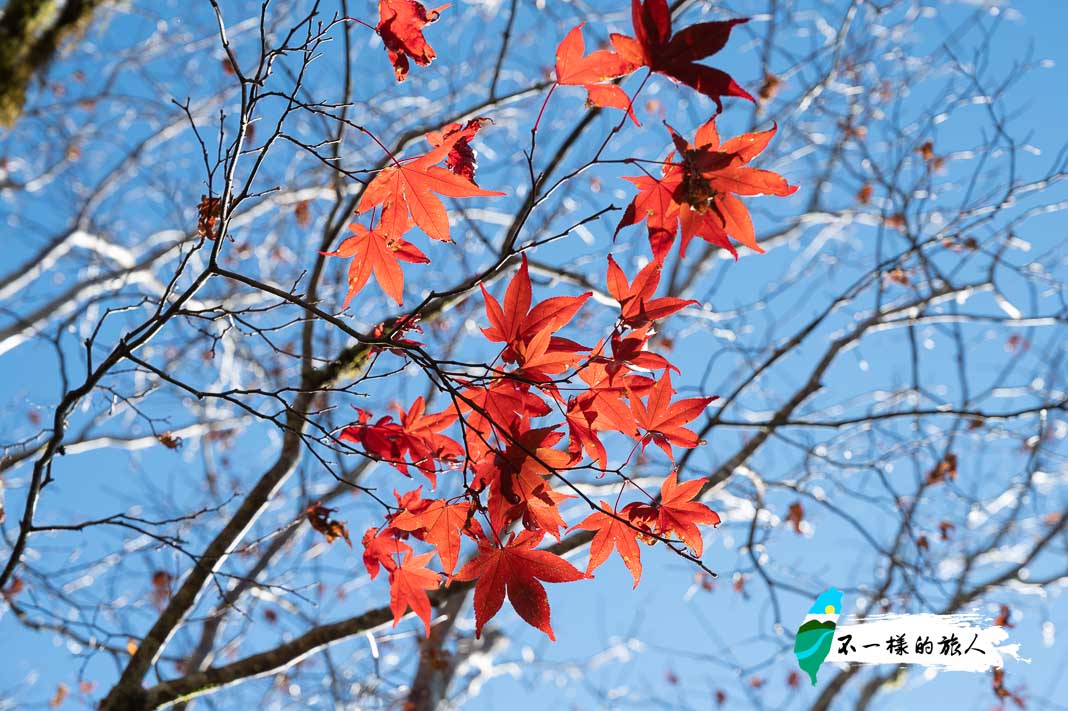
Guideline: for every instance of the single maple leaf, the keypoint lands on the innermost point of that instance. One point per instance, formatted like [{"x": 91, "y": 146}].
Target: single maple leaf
[
  {"x": 441, "y": 524},
  {"x": 663, "y": 420},
  {"x": 630, "y": 352},
  {"x": 611, "y": 403},
  {"x": 678, "y": 515},
  {"x": 383, "y": 439},
  {"x": 655, "y": 203},
  {"x": 410, "y": 501},
  {"x": 637, "y": 305},
  {"x": 580, "y": 417},
  {"x": 424, "y": 444},
  {"x": 207, "y": 213},
  {"x": 379, "y": 252},
  {"x": 600, "y": 409},
  {"x": 697, "y": 195},
  {"x": 538, "y": 360},
  {"x": 408, "y": 188},
  {"x": 516, "y": 323},
  {"x": 612, "y": 532},
  {"x": 400, "y": 25},
  {"x": 381, "y": 548},
  {"x": 1004, "y": 613},
  {"x": 408, "y": 583},
  {"x": 515, "y": 570},
  {"x": 677, "y": 55},
  {"x": 592, "y": 72},
  {"x": 713, "y": 173}
]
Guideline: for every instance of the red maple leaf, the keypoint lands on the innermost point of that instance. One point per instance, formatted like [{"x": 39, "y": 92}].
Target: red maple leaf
[
  {"x": 408, "y": 583},
  {"x": 515, "y": 570},
  {"x": 583, "y": 436},
  {"x": 677, "y": 56},
  {"x": 637, "y": 305},
  {"x": 415, "y": 439},
  {"x": 593, "y": 71},
  {"x": 500, "y": 409},
  {"x": 440, "y": 524},
  {"x": 630, "y": 351},
  {"x": 597, "y": 410},
  {"x": 697, "y": 195},
  {"x": 612, "y": 533},
  {"x": 400, "y": 25},
  {"x": 516, "y": 323},
  {"x": 540, "y": 358},
  {"x": 383, "y": 439},
  {"x": 663, "y": 420},
  {"x": 379, "y": 252},
  {"x": 516, "y": 478},
  {"x": 656, "y": 204},
  {"x": 425, "y": 445},
  {"x": 678, "y": 515},
  {"x": 408, "y": 187},
  {"x": 381, "y": 548}
]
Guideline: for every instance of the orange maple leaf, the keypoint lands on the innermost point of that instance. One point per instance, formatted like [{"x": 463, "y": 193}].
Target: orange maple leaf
[
  {"x": 663, "y": 420},
  {"x": 516, "y": 323},
  {"x": 377, "y": 251},
  {"x": 515, "y": 570},
  {"x": 612, "y": 533},
  {"x": 440, "y": 524},
  {"x": 697, "y": 194},
  {"x": 637, "y": 305},
  {"x": 408, "y": 187},
  {"x": 678, "y": 515},
  {"x": 408, "y": 583},
  {"x": 593, "y": 71}
]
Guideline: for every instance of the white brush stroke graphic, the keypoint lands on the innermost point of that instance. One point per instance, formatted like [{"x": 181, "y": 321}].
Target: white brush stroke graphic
[{"x": 980, "y": 648}]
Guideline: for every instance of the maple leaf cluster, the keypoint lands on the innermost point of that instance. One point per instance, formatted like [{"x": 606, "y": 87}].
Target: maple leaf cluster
[
  {"x": 545, "y": 406},
  {"x": 511, "y": 467},
  {"x": 698, "y": 192},
  {"x": 404, "y": 192},
  {"x": 654, "y": 45}
]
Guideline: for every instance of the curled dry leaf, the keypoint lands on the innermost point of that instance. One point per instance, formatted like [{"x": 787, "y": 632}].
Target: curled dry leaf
[
  {"x": 319, "y": 518},
  {"x": 170, "y": 440},
  {"x": 207, "y": 214}
]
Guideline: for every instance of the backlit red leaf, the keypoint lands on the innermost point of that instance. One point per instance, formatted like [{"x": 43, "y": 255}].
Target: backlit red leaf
[{"x": 516, "y": 571}]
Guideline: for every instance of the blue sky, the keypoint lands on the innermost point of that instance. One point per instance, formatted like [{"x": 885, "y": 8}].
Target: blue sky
[{"x": 637, "y": 639}]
